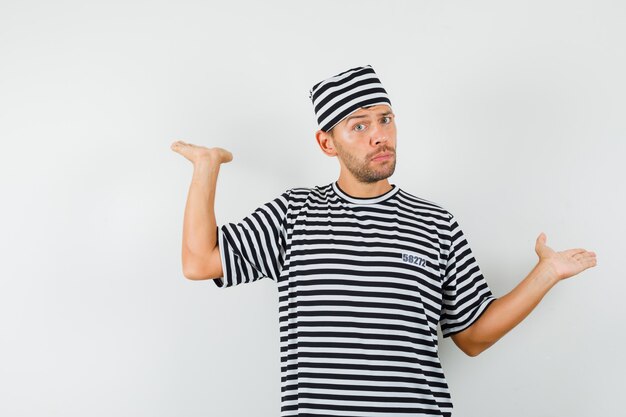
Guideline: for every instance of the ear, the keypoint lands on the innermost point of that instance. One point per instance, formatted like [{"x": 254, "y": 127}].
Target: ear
[{"x": 326, "y": 142}]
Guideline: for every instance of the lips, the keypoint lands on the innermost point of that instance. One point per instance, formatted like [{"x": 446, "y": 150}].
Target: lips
[{"x": 382, "y": 155}]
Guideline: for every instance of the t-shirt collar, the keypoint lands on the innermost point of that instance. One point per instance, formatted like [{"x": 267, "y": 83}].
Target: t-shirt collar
[{"x": 364, "y": 200}]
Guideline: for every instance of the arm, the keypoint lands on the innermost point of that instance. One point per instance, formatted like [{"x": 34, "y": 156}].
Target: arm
[
  {"x": 508, "y": 311},
  {"x": 199, "y": 224},
  {"x": 200, "y": 253}
]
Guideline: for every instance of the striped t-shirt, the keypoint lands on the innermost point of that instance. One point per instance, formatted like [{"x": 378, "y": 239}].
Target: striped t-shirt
[{"x": 363, "y": 284}]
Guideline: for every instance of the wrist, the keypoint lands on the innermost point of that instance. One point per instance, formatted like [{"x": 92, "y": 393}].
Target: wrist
[
  {"x": 547, "y": 273},
  {"x": 206, "y": 165}
]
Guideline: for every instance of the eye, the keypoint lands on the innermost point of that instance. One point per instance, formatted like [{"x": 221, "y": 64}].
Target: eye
[
  {"x": 360, "y": 124},
  {"x": 387, "y": 117}
]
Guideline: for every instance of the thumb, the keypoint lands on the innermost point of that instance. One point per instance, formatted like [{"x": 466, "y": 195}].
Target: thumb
[
  {"x": 540, "y": 243},
  {"x": 542, "y": 238}
]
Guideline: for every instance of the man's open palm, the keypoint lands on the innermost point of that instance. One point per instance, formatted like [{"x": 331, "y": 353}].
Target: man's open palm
[
  {"x": 565, "y": 263},
  {"x": 197, "y": 154}
]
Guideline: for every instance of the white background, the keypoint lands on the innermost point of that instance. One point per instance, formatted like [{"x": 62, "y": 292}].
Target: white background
[{"x": 509, "y": 114}]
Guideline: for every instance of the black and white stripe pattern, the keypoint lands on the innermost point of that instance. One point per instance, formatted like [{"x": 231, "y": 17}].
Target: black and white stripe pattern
[
  {"x": 363, "y": 284},
  {"x": 254, "y": 246},
  {"x": 337, "y": 97}
]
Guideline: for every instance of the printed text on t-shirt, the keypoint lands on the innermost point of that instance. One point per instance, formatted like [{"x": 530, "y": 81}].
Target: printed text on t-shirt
[{"x": 413, "y": 259}]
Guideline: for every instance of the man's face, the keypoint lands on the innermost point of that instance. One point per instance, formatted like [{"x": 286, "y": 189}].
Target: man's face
[{"x": 363, "y": 135}]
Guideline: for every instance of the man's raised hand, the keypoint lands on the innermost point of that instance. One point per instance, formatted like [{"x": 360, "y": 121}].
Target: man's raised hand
[
  {"x": 567, "y": 263},
  {"x": 198, "y": 154}
]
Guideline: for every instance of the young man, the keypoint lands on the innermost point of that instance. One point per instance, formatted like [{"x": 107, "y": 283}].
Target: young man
[{"x": 365, "y": 270}]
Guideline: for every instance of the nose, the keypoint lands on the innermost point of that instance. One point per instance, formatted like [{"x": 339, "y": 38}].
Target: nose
[{"x": 378, "y": 135}]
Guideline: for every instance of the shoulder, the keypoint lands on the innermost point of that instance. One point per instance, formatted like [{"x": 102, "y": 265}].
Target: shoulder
[
  {"x": 424, "y": 207},
  {"x": 303, "y": 193},
  {"x": 300, "y": 191}
]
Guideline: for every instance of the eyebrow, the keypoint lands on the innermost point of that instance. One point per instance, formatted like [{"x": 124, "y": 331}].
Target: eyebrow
[{"x": 387, "y": 113}]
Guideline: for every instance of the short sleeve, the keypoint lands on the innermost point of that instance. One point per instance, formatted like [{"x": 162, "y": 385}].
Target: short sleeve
[
  {"x": 466, "y": 294},
  {"x": 254, "y": 248}
]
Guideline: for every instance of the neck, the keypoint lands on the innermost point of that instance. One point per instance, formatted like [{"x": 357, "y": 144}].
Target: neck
[{"x": 363, "y": 189}]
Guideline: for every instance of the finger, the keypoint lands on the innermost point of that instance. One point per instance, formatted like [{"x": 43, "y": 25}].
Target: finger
[
  {"x": 572, "y": 252},
  {"x": 581, "y": 259}
]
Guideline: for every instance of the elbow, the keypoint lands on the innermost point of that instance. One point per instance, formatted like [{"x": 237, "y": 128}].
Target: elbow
[
  {"x": 193, "y": 275},
  {"x": 193, "y": 271},
  {"x": 205, "y": 266},
  {"x": 473, "y": 353},
  {"x": 478, "y": 348},
  {"x": 195, "y": 267}
]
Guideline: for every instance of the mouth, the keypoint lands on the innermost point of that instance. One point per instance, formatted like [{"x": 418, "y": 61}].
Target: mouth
[{"x": 382, "y": 156}]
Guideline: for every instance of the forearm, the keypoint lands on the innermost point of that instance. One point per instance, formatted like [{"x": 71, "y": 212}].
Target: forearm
[
  {"x": 508, "y": 311},
  {"x": 199, "y": 224}
]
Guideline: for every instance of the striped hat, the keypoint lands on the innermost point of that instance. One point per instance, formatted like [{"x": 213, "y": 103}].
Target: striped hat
[{"x": 337, "y": 97}]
